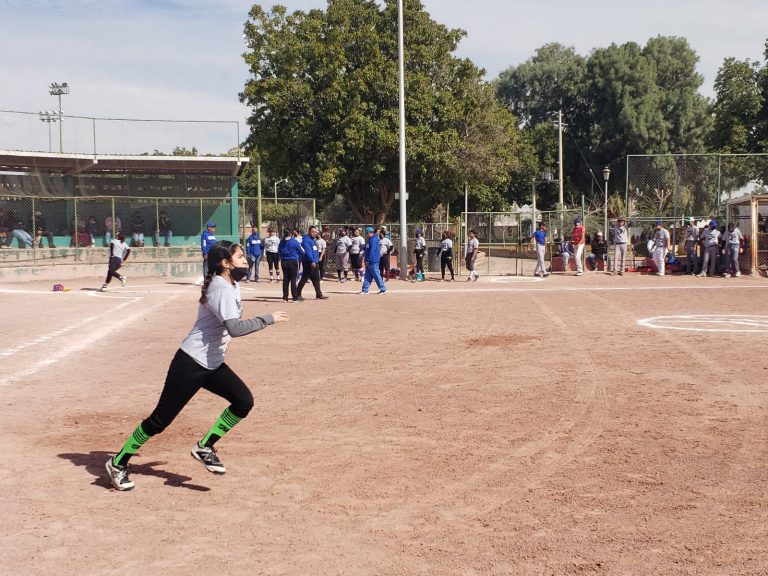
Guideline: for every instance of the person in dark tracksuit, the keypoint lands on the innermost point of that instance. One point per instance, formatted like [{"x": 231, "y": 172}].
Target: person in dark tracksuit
[
  {"x": 446, "y": 255},
  {"x": 310, "y": 264},
  {"x": 372, "y": 258},
  {"x": 199, "y": 363},
  {"x": 290, "y": 253}
]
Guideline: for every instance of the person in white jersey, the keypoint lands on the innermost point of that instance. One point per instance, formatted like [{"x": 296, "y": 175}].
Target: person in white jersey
[
  {"x": 385, "y": 248},
  {"x": 342, "y": 246},
  {"x": 118, "y": 253},
  {"x": 620, "y": 239},
  {"x": 199, "y": 363},
  {"x": 446, "y": 256},
  {"x": 473, "y": 245},
  {"x": 271, "y": 247},
  {"x": 356, "y": 254}
]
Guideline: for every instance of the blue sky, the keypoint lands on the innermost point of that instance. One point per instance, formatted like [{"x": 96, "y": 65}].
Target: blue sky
[{"x": 181, "y": 59}]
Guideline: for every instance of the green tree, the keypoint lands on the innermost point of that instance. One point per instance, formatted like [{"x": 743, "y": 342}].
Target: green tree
[
  {"x": 737, "y": 105},
  {"x": 325, "y": 110}
]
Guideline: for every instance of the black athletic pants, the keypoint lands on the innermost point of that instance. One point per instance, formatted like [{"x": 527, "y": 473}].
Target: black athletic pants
[
  {"x": 357, "y": 263},
  {"x": 384, "y": 266},
  {"x": 273, "y": 259},
  {"x": 290, "y": 272},
  {"x": 310, "y": 274},
  {"x": 114, "y": 265},
  {"x": 185, "y": 377},
  {"x": 419, "y": 261},
  {"x": 446, "y": 260}
]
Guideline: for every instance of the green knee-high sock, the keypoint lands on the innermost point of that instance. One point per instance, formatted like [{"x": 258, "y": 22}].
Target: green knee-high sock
[
  {"x": 224, "y": 424},
  {"x": 132, "y": 445}
]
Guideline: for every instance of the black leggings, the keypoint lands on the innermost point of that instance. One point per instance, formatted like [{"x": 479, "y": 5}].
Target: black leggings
[
  {"x": 384, "y": 266},
  {"x": 357, "y": 263},
  {"x": 290, "y": 272},
  {"x": 419, "y": 261},
  {"x": 114, "y": 265},
  {"x": 273, "y": 259},
  {"x": 185, "y": 377},
  {"x": 446, "y": 260}
]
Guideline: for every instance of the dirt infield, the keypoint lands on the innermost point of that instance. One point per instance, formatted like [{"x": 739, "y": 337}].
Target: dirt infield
[{"x": 499, "y": 427}]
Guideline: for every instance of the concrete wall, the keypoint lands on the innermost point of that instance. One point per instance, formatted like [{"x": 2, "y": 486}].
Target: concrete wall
[{"x": 73, "y": 263}]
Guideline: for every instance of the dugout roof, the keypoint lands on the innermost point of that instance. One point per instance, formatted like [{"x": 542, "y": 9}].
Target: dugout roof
[{"x": 81, "y": 164}]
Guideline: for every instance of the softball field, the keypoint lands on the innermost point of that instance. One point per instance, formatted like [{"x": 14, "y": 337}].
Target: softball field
[{"x": 594, "y": 425}]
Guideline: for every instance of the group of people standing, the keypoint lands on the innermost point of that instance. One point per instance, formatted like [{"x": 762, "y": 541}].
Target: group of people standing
[{"x": 708, "y": 249}]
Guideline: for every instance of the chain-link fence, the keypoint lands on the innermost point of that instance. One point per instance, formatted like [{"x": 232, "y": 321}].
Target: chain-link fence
[
  {"x": 505, "y": 238},
  {"x": 29, "y": 222},
  {"x": 277, "y": 213},
  {"x": 678, "y": 185}
]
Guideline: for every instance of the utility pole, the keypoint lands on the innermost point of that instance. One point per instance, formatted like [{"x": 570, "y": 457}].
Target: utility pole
[{"x": 560, "y": 197}]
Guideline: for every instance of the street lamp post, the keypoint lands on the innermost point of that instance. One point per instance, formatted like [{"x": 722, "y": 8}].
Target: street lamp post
[
  {"x": 56, "y": 89},
  {"x": 606, "y": 176},
  {"x": 276, "y": 183}
]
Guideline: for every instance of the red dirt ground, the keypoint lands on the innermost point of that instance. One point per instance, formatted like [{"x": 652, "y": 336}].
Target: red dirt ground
[{"x": 442, "y": 429}]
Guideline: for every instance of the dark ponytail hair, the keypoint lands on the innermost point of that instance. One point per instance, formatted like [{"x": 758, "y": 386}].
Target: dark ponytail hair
[{"x": 219, "y": 252}]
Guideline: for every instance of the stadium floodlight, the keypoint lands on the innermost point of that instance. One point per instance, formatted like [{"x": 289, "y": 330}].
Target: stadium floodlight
[
  {"x": 49, "y": 116},
  {"x": 56, "y": 89},
  {"x": 606, "y": 176}
]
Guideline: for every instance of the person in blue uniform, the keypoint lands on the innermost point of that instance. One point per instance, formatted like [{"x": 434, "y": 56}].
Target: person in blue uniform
[
  {"x": 290, "y": 253},
  {"x": 372, "y": 259},
  {"x": 310, "y": 263},
  {"x": 253, "y": 252},
  {"x": 207, "y": 239}
]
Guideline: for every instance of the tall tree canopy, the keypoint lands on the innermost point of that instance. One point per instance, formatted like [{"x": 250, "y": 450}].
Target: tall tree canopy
[
  {"x": 620, "y": 100},
  {"x": 324, "y": 102}
]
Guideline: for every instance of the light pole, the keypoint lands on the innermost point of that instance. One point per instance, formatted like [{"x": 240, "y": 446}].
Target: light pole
[
  {"x": 401, "y": 99},
  {"x": 606, "y": 176},
  {"x": 546, "y": 178},
  {"x": 56, "y": 89},
  {"x": 276, "y": 183},
  {"x": 48, "y": 117}
]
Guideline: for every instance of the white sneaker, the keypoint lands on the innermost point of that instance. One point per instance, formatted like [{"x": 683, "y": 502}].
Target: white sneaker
[
  {"x": 361, "y": 292},
  {"x": 579, "y": 273},
  {"x": 209, "y": 459},
  {"x": 738, "y": 274},
  {"x": 118, "y": 475},
  {"x": 103, "y": 288},
  {"x": 123, "y": 280}
]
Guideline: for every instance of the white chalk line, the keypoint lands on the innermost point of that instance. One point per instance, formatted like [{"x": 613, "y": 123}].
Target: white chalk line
[
  {"x": 96, "y": 337},
  {"x": 688, "y": 323}
]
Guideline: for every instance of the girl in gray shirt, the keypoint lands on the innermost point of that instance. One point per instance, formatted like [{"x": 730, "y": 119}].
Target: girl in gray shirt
[{"x": 199, "y": 363}]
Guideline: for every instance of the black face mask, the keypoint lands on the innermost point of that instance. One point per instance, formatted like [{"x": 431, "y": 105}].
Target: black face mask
[{"x": 238, "y": 274}]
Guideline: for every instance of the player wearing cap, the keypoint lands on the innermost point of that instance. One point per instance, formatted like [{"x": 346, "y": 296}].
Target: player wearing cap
[
  {"x": 372, "y": 258},
  {"x": 711, "y": 244},
  {"x": 691, "y": 241},
  {"x": 578, "y": 240},
  {"x": 539, "y": 243},
  {"x": 733, "y": 239},
  {"x": 207, "y": 239},
  {"x": 620, "y": 238},
  {"x": 660, "y": 248}
]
